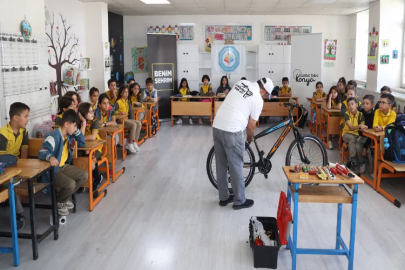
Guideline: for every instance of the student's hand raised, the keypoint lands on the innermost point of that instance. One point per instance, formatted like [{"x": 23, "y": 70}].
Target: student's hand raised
[{"x": 54, "y": 162}]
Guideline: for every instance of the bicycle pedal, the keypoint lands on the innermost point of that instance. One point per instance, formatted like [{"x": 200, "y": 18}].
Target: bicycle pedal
[{"x": 265, "y": 176}]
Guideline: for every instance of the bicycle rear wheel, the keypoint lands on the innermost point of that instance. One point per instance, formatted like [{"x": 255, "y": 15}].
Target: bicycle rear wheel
[
  {"x": 314, "y": 150},
  {"x": 248, "y": 167}
]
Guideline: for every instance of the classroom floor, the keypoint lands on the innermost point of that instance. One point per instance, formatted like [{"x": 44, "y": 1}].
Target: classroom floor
[{"x": 163, "y": 213}]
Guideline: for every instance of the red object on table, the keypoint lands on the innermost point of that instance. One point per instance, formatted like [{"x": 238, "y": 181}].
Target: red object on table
[{"x": 284, "y": 218}]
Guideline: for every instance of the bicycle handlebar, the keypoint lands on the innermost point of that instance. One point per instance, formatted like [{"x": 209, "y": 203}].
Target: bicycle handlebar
[{"x": 297, "y": 105}]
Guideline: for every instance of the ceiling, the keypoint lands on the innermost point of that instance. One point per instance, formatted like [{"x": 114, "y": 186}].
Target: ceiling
[{"x": 238, "y": 7}]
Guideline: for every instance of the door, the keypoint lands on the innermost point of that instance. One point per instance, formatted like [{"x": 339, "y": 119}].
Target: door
[
  {"x": 287, "y": 54},
  {"x": 264, "y": 70},
  {"x": 264, "y": 53},
  {"x": 277, "y": 54},
  {"x": 276, "y": 72},
  {"x": 181, "y": 53}
]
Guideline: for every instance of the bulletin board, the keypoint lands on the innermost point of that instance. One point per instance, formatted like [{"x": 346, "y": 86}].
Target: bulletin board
[
  {"x": 229, "y": 31},
  {"x": 283, "y": 33},
  {"x": 24, "y": 73},
  {"x": 185, "y": 31}
]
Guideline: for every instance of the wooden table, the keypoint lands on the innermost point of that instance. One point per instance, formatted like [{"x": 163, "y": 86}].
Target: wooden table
[
  {"x": 375, "y": 139},
  {"x": 336, "y": 191},
  {"x": 91, "y": 147},
  {"x": 112, "y": 131},
  {"x": 7, "y": 177},
  {"x": 122, "y": 134},
  {"x": 192, "y": 108},
  {"x": 330, "y": 122},
  {"x": 315, "y": 105},
  {"x": 32, "y": 169},
  {"x": 277, "y": 108}
]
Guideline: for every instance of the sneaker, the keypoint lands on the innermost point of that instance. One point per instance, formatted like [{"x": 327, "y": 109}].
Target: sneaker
[
  {"x": 20, "y": 221},
  {"x": 351, "y": 165},
  {"x": 136, "y": 147},
  {"x": 248, "y": 203},
  {"x": 200, "y": 121},
  {"x": 130, "y": 148},
  {"x": 62, "y": 210},
  {"x": 225, "y": 203},
  {"x": 69, "y": 205},
  {"x": 190, "y": 121},
  {"x": 179, "y": 122},
  {"x": 81, "y": 190},
  {"x": 362, "y": 167},
  {"x": 330, "y": 145}
]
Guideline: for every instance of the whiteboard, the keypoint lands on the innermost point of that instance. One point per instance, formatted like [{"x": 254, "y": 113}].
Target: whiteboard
[{"x": 306, "y": 65}]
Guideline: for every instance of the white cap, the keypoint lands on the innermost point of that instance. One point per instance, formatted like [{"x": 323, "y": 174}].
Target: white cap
[{"x": 267, "y": 84}]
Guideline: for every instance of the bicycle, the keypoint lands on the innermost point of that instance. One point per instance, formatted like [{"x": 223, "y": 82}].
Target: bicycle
[{"x": 302, "y": 148}]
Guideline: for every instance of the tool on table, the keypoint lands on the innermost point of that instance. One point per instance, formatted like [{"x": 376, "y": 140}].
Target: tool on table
[
  {"x": 329, "y": 173},
  {"x": 344, "y": 171},
  {"x": 322, "y": 174}
]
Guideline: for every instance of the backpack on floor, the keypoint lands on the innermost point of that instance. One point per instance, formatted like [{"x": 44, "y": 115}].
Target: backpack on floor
[
  {"x": 153, "y": 125},
  {"x": 394, "y": 143}
]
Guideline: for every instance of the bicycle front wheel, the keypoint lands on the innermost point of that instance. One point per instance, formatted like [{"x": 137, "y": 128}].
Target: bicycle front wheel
[
  {"x": 248, "y": 167},
  {"x": 313, "y": 148}
]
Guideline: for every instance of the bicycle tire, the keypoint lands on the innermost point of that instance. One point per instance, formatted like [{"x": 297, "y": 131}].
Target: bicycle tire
[
  {"x": 212, "y": 176},
  {"x": 309, "y": 138}
]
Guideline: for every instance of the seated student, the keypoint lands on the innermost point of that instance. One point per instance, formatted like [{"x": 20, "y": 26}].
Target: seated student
[
  {"x": 368, "y": 112},
  {"x": 341, "y": 85},
  {"x": 150, "y": 94},
  {"x": 387, "y": 90},
  {"x": 136, "y": 98},
  {"x": 351, "y": 92},
  {"x": 334, "y": 101},
  {"x": 94, "y": 93},
  {"x": 65, "y": 103},
  {"x": 112, "y": 91},
  {"x": 123, "y": 107},
  {"x": 184, "y": 90},
  {"x": 58, "y": 149},
  {"x": 319, "y": 94},
  {"x": 205, "y": 90},
  {"x": 104, "y": 112},
  {"x": 285, "y": 90},
  {"x": 14, "y": 143},
  {"x": 224, "y": 87},
  {"x": 89, "y": 127},
  {"x": 354, "y": 122},
  {"x": 76, "y": 98},
  {"x": 384, "y": 115},
  {"x": 131, "y": 81}
]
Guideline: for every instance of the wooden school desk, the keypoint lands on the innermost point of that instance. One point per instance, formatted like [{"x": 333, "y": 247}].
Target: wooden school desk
[
  {"x": 327, "y": 191},
  {"x": 91, "y": 147},
  {"x": 375, "y": 141},
  {"x": 8, "y": 193},
  {"x": 122, "y": 134},
  {"x": 330, "y": 123},
  {"x": 315, "y": 105},
  {"x": 192, "y": 107},
  {"x": 277, "y": 108},
  {"x": 32, "y": 169},
  {"x": 111, "y": 148}
]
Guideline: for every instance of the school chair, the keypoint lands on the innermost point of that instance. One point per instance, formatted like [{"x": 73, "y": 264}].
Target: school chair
[
  {"x": 345, "y": 152},
  {"x": 396, "y": 170},
  {"x": 144, "y": 125}
]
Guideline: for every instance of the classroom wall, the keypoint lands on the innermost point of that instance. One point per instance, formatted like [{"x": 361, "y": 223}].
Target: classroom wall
[
  {"x": 336, "y": 27},
  {"x": 362, "y": 19},
  {"x": 374, "y": 21}
]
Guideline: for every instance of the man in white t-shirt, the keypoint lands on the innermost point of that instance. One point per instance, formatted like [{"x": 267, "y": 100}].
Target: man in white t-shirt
[{"x": 240, "y": 110}]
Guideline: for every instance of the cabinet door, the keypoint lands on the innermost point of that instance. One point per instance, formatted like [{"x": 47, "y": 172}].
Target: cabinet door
[
  {"x": 287, "y": 71},
  {"x": 181, "y": 70},
  {"x": 181, "y": 53},
  {"x": 287, "y": 54},
  {"x": 276, "y": 72},
  {"x": 264, "y": 53},
  {"x": 264, "y": 70},
  {"x": 192, "y": 71},
  {"x": 192, "y": 55},
  {"x": 277, "y": 54}
]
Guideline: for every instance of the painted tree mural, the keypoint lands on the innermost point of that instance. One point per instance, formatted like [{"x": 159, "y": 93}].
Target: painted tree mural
[
  {"x": 330, "y": 47},
  {"x": 64, "y": 49}
]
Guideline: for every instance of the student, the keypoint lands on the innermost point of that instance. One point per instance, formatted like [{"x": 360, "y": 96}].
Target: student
[
  {"x": 131, "y": 81},
  {"x": 104, "y": 112},
  {"x": 243, "y": 79},
  {"x": 14, "y": 144},
  {"x": 94, "y": 93},
  {"x": 224, "y": 87},
  {"x": 205, "y": 90},
  {"x": 341, "y": 85},
  {"x": 384, "y": 115},
  {"x": 136, "y": 97},
  {"x": 76, "y": 98},
  {"x": 354, "y": 121},
  {"x": 319, "y": 94},
  {"x": 150, "y": 94},
  {"x": 65, "y": 103},
  {"x": 387, "y": 90},
  {"x": 89, "y": 128},
  {"x": 112, "y": 91},
  {"x": 184, "y": 90},
  {"x": 285, "y": 90},
  {"x": 123, "y": 107},
  {"x": 333, "y": 102},
  {"x": 351, "y": 92},
  {"x": 352, "y": 83},
  {"x": 58, "y": 149},
  {"x": 368, "y": 112}
]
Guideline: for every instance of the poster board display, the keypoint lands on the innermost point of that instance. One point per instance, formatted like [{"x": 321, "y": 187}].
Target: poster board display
[
  {"x": 184, "y": 31},
  {"x": 283, "y": 33},
  {"x": 234, "y": 32}
]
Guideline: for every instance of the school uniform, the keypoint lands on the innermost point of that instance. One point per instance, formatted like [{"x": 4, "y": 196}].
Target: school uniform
[
  {"x": 381, "y": 119},
  {"x": 134, "y": 126},
  {"x": 352, "y": 137}
]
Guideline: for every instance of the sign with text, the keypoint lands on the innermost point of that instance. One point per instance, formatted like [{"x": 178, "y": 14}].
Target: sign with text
[{"x": 163, "y": 76}]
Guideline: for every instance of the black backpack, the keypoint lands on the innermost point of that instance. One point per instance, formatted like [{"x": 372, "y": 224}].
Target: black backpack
[
  {"x": 153, "y": 125},
  {"x": 394, "y": 143}
]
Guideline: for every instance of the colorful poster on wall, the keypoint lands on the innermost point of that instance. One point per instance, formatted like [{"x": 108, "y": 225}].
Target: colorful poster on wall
[
  {"x": 395, "y": 54},
  {"x": 139, "y": 60},
  {"x": 283, "y": 33},
  {"x": 373, "y": 44},
  {"x": 384, "y": 59},
  {"x": 106, "y": 49},
  {"x": 329, "y": 49},
  {"x": 185, "y": 31},
  {"x": 223, "y": 32}
]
